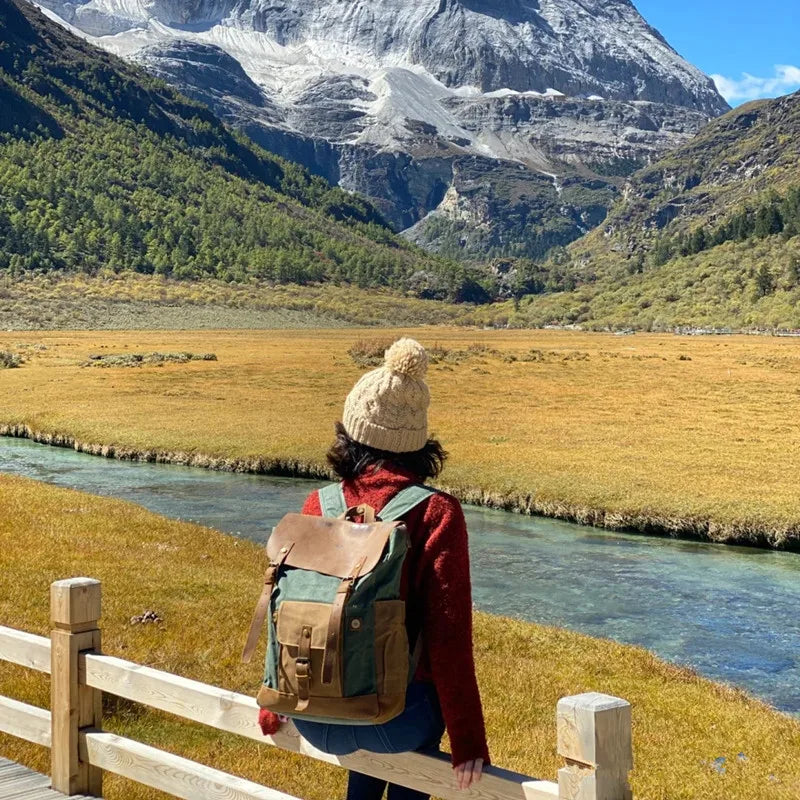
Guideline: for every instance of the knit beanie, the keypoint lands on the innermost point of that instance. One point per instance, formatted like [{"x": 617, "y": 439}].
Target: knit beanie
[{"x": 388, "y": 408}]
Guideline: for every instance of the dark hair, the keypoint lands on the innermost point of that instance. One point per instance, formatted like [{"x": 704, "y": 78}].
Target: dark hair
[{"x": 350, "y": 458}]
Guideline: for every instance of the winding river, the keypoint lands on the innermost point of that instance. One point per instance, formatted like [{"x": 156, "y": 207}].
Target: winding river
[{"x": 732, "y": 613}]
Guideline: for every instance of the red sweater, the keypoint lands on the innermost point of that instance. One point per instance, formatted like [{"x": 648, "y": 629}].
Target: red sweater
[{"x": 436, "y": 585}]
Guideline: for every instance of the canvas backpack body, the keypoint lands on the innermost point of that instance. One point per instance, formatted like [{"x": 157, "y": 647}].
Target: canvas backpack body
[{"x": 337, "y": 646}]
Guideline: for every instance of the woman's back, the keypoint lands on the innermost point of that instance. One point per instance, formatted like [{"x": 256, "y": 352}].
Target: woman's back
[{"x": 437, "y": 590}]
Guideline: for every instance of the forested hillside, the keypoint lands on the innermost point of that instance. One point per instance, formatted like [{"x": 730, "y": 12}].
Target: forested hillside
[
  {"x": 102, "y": 166},
  {"x": 739, "y": 178},
  {"x": 707, "y": 236}
]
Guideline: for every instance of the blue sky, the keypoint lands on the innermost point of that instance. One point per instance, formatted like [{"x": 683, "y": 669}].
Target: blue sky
[{"x": 751, "y": 49}]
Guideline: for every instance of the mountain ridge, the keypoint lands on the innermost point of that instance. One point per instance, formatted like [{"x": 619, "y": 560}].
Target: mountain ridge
[
  {"x": 706, "y": 237},
  {"x": 386, "y": 98},
  {"x": 106, "y": 167}
]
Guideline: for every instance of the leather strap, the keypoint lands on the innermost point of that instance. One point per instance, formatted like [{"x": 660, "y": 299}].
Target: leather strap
[
  {"x": 366, "y": 512},
  {"x": 260, "y": 614},
  {"x": 334, "y": 636},
  {"x": 302, "y": 669},
  {"x": 416, "y": 654}
]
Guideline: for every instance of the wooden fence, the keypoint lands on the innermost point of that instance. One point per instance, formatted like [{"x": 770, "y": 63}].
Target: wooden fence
[{"x": 594, "y": 730}]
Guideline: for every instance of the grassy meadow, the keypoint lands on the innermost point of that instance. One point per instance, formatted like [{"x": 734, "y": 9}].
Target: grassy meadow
[
  {"x": 128, "y": 301},
  {"x": 203, "y": 585},
  {"x": 658, "y": 433}
]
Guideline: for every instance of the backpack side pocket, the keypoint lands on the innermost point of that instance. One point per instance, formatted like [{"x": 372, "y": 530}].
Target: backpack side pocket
[{"x": 391, "y": 656}]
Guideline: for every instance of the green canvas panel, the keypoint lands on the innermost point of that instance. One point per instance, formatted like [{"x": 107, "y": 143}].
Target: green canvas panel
[
  {"x": 359, "y": 650},
  {"x": 404, "y": 501}
]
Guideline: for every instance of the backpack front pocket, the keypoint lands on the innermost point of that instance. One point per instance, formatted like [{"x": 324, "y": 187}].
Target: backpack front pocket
[{"x": 301, "y": 631}]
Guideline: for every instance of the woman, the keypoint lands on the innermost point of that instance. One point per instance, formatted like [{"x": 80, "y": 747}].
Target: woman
[{"x": 382, "y": 447}]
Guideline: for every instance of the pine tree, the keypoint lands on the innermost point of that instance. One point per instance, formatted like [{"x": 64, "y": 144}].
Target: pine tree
[
  {"x": 768, "y": 221},
  {"x": 662, "y": 252},
  {"x": 698, "y": 240},
  {"x": 793, "y": 272},
  {"x": 765, "y": 282}
]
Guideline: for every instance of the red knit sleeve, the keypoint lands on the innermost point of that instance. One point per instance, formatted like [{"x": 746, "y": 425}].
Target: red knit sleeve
[{"x": 447, "y": 627}]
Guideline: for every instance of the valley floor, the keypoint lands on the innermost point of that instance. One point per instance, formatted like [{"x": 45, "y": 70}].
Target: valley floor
[
  {"x": 693, "y": 740},
  {"x": 692, "y": 436},
  {"x": 145, "y": 302}
]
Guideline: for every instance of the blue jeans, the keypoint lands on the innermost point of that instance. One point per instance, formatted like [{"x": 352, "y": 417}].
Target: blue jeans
[{"x": 420, "y": 726}]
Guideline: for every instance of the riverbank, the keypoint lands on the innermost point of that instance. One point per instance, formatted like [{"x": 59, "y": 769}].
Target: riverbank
[
  {"x": 653, "y": 433},
  {"x": 202, "y": 585},
  {"x": 695, "y": 529}
]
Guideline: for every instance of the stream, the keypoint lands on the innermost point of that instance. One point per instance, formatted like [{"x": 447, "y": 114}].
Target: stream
[{"x": 732, "y": 613}]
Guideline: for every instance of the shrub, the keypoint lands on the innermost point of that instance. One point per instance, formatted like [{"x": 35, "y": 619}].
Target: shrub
[
  {"x": 369, "y": 352},
  {"x": 137, "y": 359},
  {"x": 9, "y": 360}
]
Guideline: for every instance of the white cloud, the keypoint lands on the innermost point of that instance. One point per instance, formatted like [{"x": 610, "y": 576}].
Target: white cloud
[{"x": 786, "y": 79}]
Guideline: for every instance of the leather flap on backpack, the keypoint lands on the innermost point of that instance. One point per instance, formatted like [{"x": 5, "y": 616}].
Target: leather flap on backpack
[{"x": 329, "y": 546}]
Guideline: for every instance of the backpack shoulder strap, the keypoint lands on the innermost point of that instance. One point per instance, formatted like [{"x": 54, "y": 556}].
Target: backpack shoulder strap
[
  {"x": 331, "y": 500},
  {"x": 404, "y": 501}
]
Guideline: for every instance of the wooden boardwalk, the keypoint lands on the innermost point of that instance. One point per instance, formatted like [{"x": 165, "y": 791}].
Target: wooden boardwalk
[{"x": 20, "y": 783}]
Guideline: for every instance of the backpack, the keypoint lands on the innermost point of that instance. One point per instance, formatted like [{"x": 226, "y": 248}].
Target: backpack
[{"x": 337, "y": 646}]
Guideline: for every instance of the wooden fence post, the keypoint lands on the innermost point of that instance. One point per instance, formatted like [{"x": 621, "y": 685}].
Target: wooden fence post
[
  {"x": 74, "y": 614},
  {"x": 594, "y": 736}
]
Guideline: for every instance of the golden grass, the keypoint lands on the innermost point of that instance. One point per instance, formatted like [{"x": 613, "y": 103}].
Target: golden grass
[
  {"x": 696, "y": 435},
  {"x": 204, "y": 583}
]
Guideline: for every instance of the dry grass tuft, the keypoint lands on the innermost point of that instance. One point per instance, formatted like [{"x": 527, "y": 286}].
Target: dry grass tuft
[
  {"x": 9, "y": 360},
  {"x": 369, "y": 353},
  {"x": 140, "y": 359},
  {"x": 203, "y": 585}
]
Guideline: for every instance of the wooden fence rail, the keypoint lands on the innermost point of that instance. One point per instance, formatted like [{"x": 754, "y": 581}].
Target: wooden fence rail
[{"x": 593, "y": 730}]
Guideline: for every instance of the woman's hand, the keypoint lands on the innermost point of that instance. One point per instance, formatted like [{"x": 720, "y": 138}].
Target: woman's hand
[{"x": 468, "y": 773}]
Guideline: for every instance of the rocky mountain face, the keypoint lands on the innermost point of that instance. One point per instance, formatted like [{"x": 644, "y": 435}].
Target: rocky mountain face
[
  {"x": 746, "y": 159},
  {"x": 132, "y": 176},
  {"x": 706, "y": 237},
  {"x": 440, "y": 111}
]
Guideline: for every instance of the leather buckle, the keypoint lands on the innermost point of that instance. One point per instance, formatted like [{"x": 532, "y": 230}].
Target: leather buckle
[{"x": 347, "y": 585}]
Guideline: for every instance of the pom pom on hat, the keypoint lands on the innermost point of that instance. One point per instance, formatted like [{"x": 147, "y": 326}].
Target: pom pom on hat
[{"x": 408, "y": 357}]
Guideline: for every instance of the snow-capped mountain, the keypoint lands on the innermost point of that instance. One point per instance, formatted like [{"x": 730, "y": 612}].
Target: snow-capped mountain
[{"x": 389, "y": 97}]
